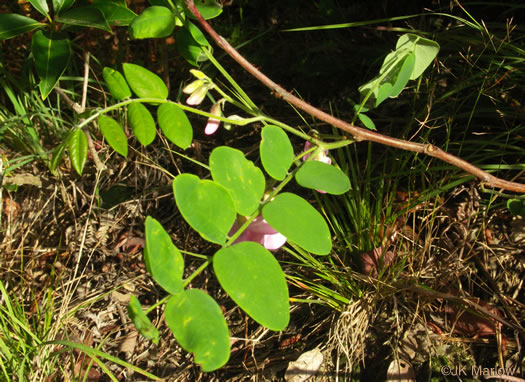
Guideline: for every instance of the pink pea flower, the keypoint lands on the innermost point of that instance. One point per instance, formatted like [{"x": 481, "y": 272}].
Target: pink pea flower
[
  {"x": 260, "y": 232},
  {"x": 213, "y": 123}
]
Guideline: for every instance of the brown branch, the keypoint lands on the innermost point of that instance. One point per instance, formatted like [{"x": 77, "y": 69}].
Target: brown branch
[{"x": 358, "y": 133}]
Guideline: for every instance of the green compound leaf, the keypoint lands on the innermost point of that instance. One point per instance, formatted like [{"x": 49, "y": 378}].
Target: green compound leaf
[
  {"x": 154, "y": 22},
  {"x": 142, "y": 123},
  {"x": 208, "y": 9},
  {"x": 253, "y": 278},
  {"x": 403, "y": 75},
  {"x": 41, "y": 6},
  {"x": 425, "y": 51},
  {"x": 78, "y": 150},
  {"x": 115, "y": 13},
  {"x": 197, "y": 323},
  {"x": 322, "y": 176},
  {"x": 239, "y": 176},
  {"x": 296, "y": 219},
  {"x": 367, "y": 121},
  {"x": 87, "y": 16},
  {"x": 175, "y": 125},
  {"x": 189, "y": 43},
  {"x": 141, "y": 321},
  {"x": 12, "y": 25},
  {"x": 163, "y": 260},
  {"x": 205, "y": 205},
  {"x": 144, "y": 83},
  {"x": 114, "y": 134},
  {"x": 276, "y": 152},
  {"x": 116, "y": 83},
  {"x": 51, "y": 53},
  {"x": 62, "y": 5}
]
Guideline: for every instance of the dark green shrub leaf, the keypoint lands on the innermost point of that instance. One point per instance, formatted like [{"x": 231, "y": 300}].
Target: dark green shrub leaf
[
  {"x": 62, "y": 5},
  {"x": 12, "y": 25},
  {"x": 144, "y": 83},
  {"x": 78, "y": 150},
  {"x": 296, "y": 219},
  {"x": 142, "y": 123},
  {"x": 41, "y": 6},
  {"x": 114, "y": 134},
  {"x": 115, "y": 12},
  {"x": 116, "y": 83},
  {"x": 239, "y": 176},
  {"x": 85, "y": 17},
  {"x": 141, "y": 321},
  {"x": 154, "y": 22},
  {"x": 205, "y": 205},
  {"x": 322, "y": 176},
  {"x": 197, "y": 323},
  {"x": 163, "y": 260},
  {"x": 276, "y": 152},
  {"x": 253, "y": 278},
  {"x": 190, "y": 49},
  {"x": 51, "y": 54},
  {"x": 58, "y": 154},
  {"x": 175, "y": 125}
]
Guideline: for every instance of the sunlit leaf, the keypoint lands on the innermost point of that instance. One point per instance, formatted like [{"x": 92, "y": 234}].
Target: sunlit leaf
[
  {"x": 276, "y": 152},
  {"x": 78, "y": 150},
  {"x": 116, "y": 83},
  {"x": 41, "y": 6},
  {"x": 144, "y": 83},
  {"x": 197, "y": 323},
  {"x": 322, "y": 176},
  {"x": 296, "y": 219},
  {"x": 114, "y": 134},
  {"x": 163, "y": 260},
  {"x": 153, "y": 22},
  {"x": 239, "y": 176},
  {"x": 253, "y": 278},
  {"x": 115, "y": 13},
  {"x": 142, "y": 123},
  {"x": 205, "y": 205},
  {"x": 12, "y": 24},
  {"x": 190, "y": 42},
  {"x": 208, "y": 9},
  {"x": 175, "y": 125},
  {"x": 51, "y": 53},
  {"x": 141, "y": 321},
  {"x": 425, "y": 51}
]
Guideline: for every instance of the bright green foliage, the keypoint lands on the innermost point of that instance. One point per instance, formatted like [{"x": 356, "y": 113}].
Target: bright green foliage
[
  {"x": 175, "y": 125},
  {"x": 253, "y": 278},
  {"x": 114, "y": 134},
  {"x": 208, "y": 9},
  {"x": 296, "y": 219},
  {"x": 142, "y": 123},
  {"x": 276, "y": 151},
  {"x": 205, "y": 205},
  {"x": 87, "y": 16},
  {"x": 239, "y": 176},
  {"x": 322, "y": 176},
  {"x": 114, "y": 12},
  {"x": 190, "y": 43},
  {"x": 197, "y": 323},
  {"x": 163, "y": 260},
  {"x": 154, "y": 22},
  {"x": 144, "y": 83},
  {"x": 116, "y": 83},
  {"x": 51, "y": 53},
  {"x": 141, "y": 321},
  {"x": 62, "y": 5},
  {"x": 78, "y": 149},
  {"x": 41, "y": 6},
  {"x": 425, "y": 51},
  {"x": 12, "y": 25}
]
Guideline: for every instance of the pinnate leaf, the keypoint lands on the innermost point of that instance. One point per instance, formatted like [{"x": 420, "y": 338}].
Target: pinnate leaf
[
  {"x": 175, "y": 125},
  {"x": 276, "y": 152},
  {"x": 116, "y": 83},
  {"x": 114, "y": 134},
  {"x": 197, "y": 323},
  {"x": 142, "y": 123},
  {"x": 153, "y": 22},
  {"x": 322, "y": 176},
  {"x": 296, "y": 219},
  {"x": 144, "y": 83},
  {"x": 253, "y": 278}
]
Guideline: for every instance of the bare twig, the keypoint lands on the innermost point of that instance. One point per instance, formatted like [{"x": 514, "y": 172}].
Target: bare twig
[{"x": 358, "y": 134}]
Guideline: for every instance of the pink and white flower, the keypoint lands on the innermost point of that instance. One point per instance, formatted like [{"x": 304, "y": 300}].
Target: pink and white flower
[{"x": 260, "y": 232}]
